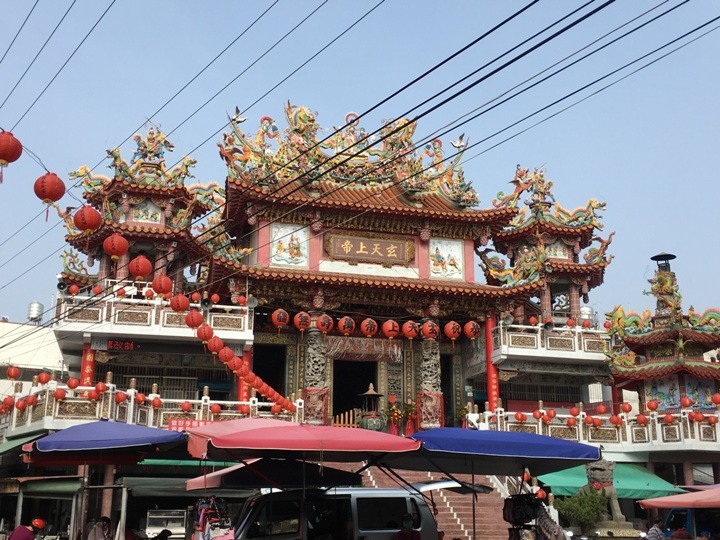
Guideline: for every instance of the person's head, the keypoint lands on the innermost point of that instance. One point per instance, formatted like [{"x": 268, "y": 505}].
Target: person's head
[
  {"x": 104, "y": 521},
  {"x": 164, "y": 534},
  {"x": 37, "y": 524},
  {"x": 407, "y": 521},
  {"x": 658, "y": 522}
]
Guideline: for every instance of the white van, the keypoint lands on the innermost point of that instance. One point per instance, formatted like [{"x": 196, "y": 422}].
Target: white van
[{"x": 335, "y": 513}]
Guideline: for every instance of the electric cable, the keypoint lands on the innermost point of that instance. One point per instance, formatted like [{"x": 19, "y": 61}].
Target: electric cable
[
  {"x": 12, "y": 42},
  {"x": 64, "y": 64}
]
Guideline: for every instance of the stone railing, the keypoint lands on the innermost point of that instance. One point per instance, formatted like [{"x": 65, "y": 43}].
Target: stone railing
[
  {"x": 558, "y": 341},
  {"x": 621, "y": 432},
  {"x": 55, "y": 406}
]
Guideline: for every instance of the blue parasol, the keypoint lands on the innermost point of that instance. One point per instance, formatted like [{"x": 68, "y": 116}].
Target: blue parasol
[{"x": 504, "y": 453}]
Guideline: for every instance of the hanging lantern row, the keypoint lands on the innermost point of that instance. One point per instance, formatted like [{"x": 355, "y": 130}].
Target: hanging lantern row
[{"x": 302, "y": 321}]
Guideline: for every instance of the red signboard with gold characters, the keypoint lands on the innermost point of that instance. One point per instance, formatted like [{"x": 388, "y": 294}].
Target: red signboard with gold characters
[{"x": 368, "y": 248}]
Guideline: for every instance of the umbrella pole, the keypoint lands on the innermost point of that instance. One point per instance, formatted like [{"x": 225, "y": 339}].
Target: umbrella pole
[{"x": 474, "y": 495}]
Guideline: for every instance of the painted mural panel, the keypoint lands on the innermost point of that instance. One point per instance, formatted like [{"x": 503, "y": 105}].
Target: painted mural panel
[
  {"x": 288, "y": 245},
  {"x": 146, "y": 211},
  {"x": 446, "y": 258},
  {"x": 665, "y": 391},
  {"x": 700, "y": 391}
]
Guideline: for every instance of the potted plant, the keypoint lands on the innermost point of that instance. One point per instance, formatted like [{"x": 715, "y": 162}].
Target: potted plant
[{"x": 582, "y": 510}]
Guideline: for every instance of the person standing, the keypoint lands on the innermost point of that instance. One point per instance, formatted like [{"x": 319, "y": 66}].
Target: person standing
[
  {"x": 407, "y": 532},
  {"x": 27, "y": 532},
  {"x": 655, "y": 532},
  {"x": 101, "y": 529}
]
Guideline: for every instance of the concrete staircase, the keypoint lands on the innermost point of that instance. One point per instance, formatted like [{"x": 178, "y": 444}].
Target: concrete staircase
[{"x": 454, "y": 510}]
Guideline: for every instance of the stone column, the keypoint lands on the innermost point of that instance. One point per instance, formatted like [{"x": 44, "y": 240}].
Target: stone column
[
  {"x": 546, "y": 301},
  {"x": 430, "y": 406},
  {"x": 315, "y": 383},
  {"x": 574, "y": 294}
]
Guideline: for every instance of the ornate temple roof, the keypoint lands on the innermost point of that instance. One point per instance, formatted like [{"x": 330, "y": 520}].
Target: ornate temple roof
[
  {"x": 352, "y": 171},
  {"x": 650, "y": 345}
]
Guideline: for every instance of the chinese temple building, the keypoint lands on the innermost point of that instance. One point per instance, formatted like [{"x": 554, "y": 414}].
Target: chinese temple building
[{"x": 669, "y": 359}]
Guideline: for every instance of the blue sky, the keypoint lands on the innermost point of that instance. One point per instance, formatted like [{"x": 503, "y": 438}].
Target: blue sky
[{"x": 645, "y": 146}]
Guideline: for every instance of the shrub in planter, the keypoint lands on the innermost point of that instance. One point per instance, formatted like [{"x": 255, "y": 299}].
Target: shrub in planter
[{"x": 582, "y": 510}]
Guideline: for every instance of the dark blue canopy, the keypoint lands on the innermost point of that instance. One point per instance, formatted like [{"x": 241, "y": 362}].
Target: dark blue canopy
[
  {"x": 504, "y": 453},
  {"x": 104, "y": 435}
]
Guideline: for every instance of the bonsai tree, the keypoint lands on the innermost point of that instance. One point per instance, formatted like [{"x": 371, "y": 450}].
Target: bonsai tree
[{"x": 582, "y": 510}]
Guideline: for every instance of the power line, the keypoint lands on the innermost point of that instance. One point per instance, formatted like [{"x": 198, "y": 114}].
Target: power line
[{"x": 19, "y": 30}]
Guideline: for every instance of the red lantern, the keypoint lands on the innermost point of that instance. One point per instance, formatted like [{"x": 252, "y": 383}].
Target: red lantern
[
  {"x": 140, "y": 267},
  {"x": 586, "y": 323},
  {"x": 625, "y": 407},
  {"x": 32, "y": 400},
  {"x": 195, "y": 296},
  {"x": 276, "y": 409},
  {"x": 87, "y": 219},
  {"x": 21, "y": 405},
  {"x": 250, "y": 378},
  {"x": 156, "y": 402},
  {"x": 280, "y": 318},
  {"x": 10, "y": 150},
  {"x": 541, "y": 494},
  {"x": 368, "y": 327},
  {"x": 97, "y": 289},
  {"x": 244, "y": 409},
  {"x": 9, "y": 401},
  {"x": 537, "y": 414},
  {"x": 179, "y": 303},
  {"x": 140, "y": 398},
  {"x": 44, "y": 377},
  {"x": 12, "y": 372},
  {"x": 546, "y": 419},
  {"x": 215, "y": 298},
  {"x": 518, "y": 416},
  {"x": 149, "y": 293},
  {"x": 471, "y": 330},
  {"x": 551, "y": 413},
  {"x": 226, "y": 354},
  {"x": 94, "y": 395},
  {"x": 712, "y": 420},
  {"x": 116, "y": 246},
  {"x": 716, "y": 398},
  {"x": 589, "y": 420},
  {"x": 533, "y": 320},
  {"x": 390, "y": 329},
  {"x": 162, "y": 284},
  {"x": 571, "y": 422},
  {"x": 653, "y": 405},
  {"x": 410, "y": 329},
  {"x": 241, "y": 300},
  {"x": 73, "y": 383},
  {"x": 607, "y": 325},
  {"x": 346, "y": 326},
  {"x": 668, "y": 418},
  {"x": 597, "y": 422},
  {"x": 615, "y": 420},
  {"x": 571, "y": 323},
  {"x": 101, "y": 387},
  {"x": 186, "y": 407},
  {"x": 234, "y": 364},
  {"x": 686, "y": 402},
  {"x": 691, "y": 416},
  {"x": 430, "y": 330},
  {"x": 641, "y": 419},
  {"x": 215, "y": 408},
  {"x": 324, "y": 323},
  {"x": 49, "y": 188},
  {"x": 205, "y": 332},
  {"x": 601, "y": 409},
  {"x": 244, "y": 369},
  {"x": 452, "y": 330},
  {"x": 120, "y": 397},
  {"x": 215, "y": 345},
  {"x": 264, "y": 389},
  {"x": 73, "y": 289},
  {"x": 120, "y": 292},
  {"x": 194, "y": 318},
  {"x": 302, "y": 321},
  {"x": 574, "y": 411}
]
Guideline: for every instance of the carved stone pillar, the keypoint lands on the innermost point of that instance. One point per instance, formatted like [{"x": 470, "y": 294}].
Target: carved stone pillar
[
  {"x": 430, "y": 366},
  {"x": 315, "y": 378}
]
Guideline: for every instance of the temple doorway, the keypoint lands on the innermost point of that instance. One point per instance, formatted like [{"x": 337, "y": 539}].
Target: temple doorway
[
  {"x": 269, "y": 365},
  {"x": 350, "y": 378}
]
